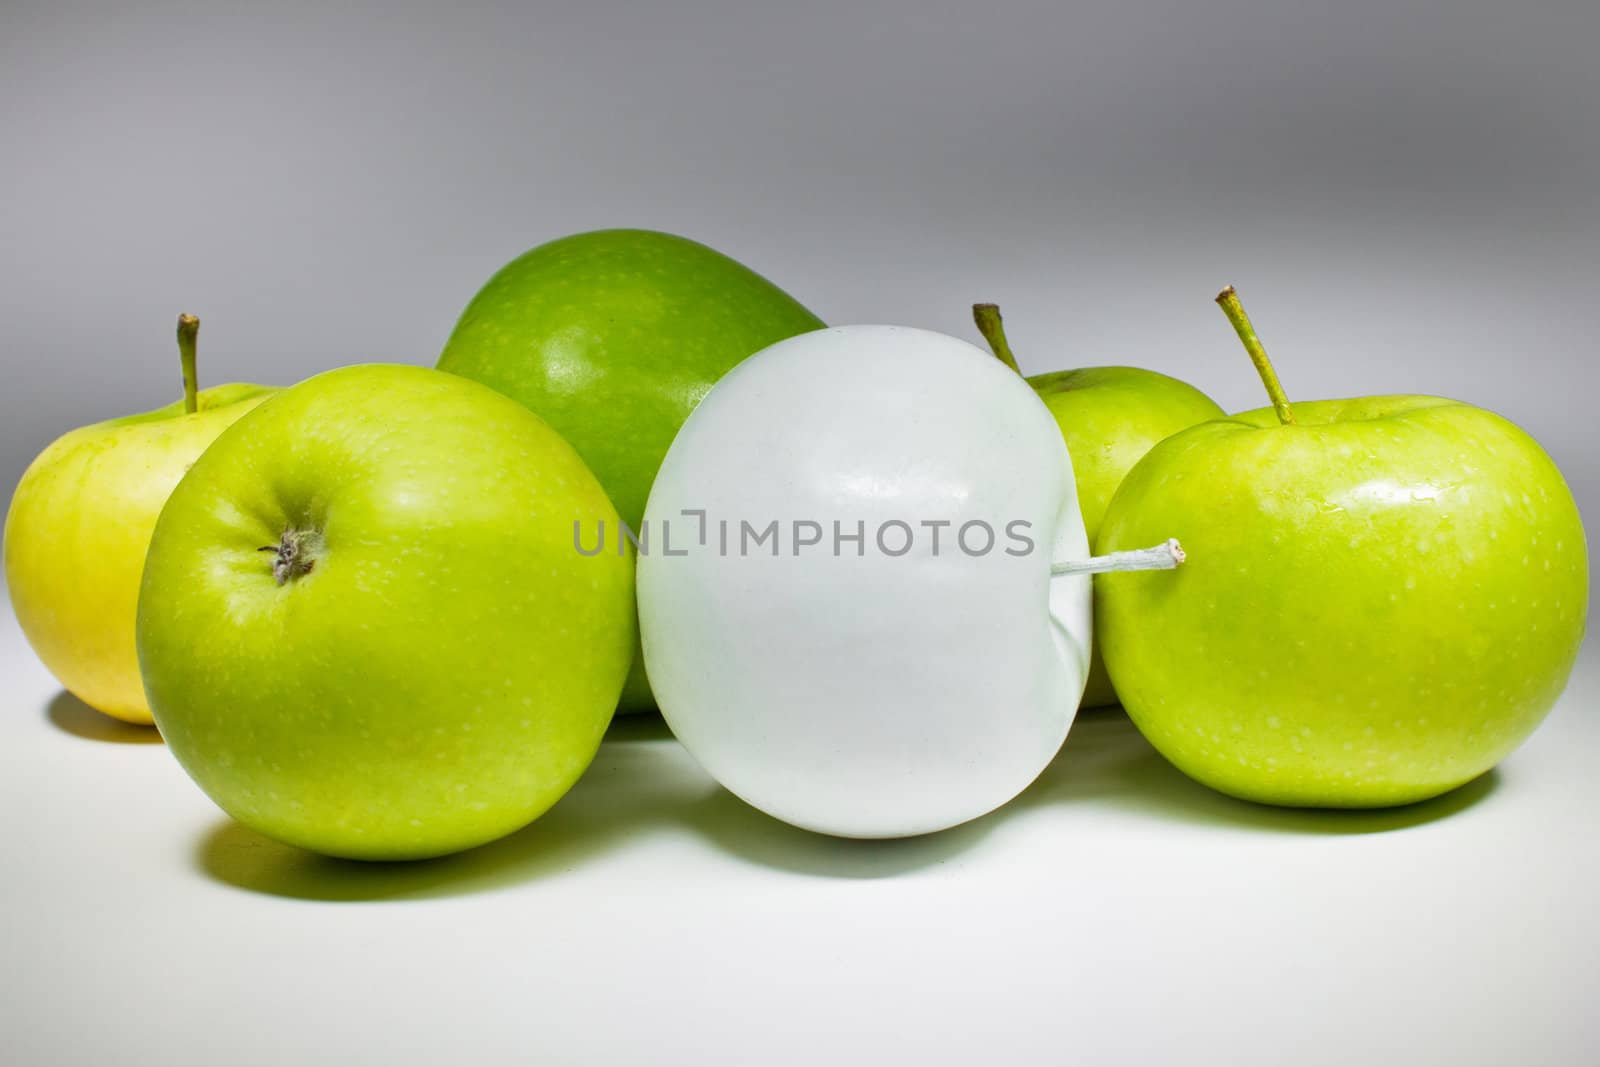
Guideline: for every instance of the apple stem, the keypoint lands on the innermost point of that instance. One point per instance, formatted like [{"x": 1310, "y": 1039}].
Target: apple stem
[
  {"x": 1163, "y": 557},
  {"x": 188, "y": 328},
  {"x": 987, "y": 316},
  {"x": 1229, "y": 301}
]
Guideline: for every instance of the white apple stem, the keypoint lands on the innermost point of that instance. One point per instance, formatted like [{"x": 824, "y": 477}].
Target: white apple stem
[{"x": 1163, "y": 557}]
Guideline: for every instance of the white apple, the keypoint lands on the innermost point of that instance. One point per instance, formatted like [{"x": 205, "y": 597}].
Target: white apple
[{"x": 901, "y": 683}]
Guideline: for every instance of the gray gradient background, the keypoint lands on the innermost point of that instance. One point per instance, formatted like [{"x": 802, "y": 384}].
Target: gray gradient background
[{"x": 1407, "y": 195}]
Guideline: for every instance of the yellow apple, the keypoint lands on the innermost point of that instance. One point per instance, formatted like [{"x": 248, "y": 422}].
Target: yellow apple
[{"x": 80, "y": 523}]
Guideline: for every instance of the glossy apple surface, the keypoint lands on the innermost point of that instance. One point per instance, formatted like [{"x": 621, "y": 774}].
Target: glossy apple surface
[
  {"x": 421, "y": 662},
  {"x": 1380, "y": 602},
  {"x": 1110, "y": 417},
  {"x": 612, "y": 338},
  {"x": 77, "y": 531},
  {"x": 888, "y": 688}
]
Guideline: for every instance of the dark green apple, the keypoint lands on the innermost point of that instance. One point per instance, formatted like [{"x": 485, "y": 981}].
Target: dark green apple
[
  {"x": 612, "y": 338},
  {"x": 1109, "y": 417}
]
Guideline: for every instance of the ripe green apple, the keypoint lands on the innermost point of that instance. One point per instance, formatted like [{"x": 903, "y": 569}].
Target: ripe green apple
[
  {"x": 1383, "y": 596},
  {"x": 1109, "y": 417},
  {"x": 79, "y": 525},
  {"x": 613, "y": 337},
  {"x": 364, "y": 626}
]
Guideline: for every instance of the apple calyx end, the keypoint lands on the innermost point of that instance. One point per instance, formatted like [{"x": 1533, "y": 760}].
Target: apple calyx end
[{"x": 294, "y": 556}]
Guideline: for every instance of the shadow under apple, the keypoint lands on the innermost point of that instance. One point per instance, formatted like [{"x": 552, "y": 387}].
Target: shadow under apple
[
  {"x": 1107, "y": 761},
  {"x": 757, "y": 838},
  {"x": 642, "y": 782},
  {"x": 631, "y": 788},
  {"x": 72, "y": 716}
]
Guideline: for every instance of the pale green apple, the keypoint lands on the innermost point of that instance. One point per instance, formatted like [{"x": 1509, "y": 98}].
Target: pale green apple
[
  {"x": 80, "y": 522},
  {"x": 1109, "y": 417},
  {"x": 364, "y": 626},
  {"x": 613, "y": 337},
  {"x": 1382, "y": 597}
]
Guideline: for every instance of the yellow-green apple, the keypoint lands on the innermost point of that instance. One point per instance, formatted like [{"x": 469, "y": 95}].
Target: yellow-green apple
[
  {"x": 1109, "y": 417},
  {"x": 613, "y": 337},
  {"x": 364, "y": 627},
  {"x": 1384, "y": 596},
  {"x": 79, "y": 525}
]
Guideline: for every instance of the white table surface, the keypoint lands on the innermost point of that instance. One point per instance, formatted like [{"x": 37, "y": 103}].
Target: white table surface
[{"x": 1115, "y": 913}]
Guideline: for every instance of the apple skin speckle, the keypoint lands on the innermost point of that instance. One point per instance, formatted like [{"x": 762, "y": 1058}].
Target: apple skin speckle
[
  {"x": 343, "y": 710},
  {"x": 1381, "y": 674}
]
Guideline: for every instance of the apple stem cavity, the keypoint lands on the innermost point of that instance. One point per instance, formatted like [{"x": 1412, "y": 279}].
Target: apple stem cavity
[
  {"x": 987, "y": 316},
  {"x": 188, "y": 329},
  {"x": 1163, "y": 557},
  {"x": 1229, "y": 302}
]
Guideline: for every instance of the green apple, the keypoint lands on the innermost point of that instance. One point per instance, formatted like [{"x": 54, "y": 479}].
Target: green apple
[
  {"x": 1383, "y": 596},
  {"x": 79, "y": 525},
  {"x": 1109, "y": 417},
  {"x": 613, "y": 337},
  {"x": 364, "y": 626}
]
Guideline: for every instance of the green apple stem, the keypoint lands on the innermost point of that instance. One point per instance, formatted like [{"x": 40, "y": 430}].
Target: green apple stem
[
  {"x": 1163, "y": 557},
  {"x": 188, "y": 328},
  {"x": 987, "y": 316},
  {"x": 1229, "y": 301}
]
